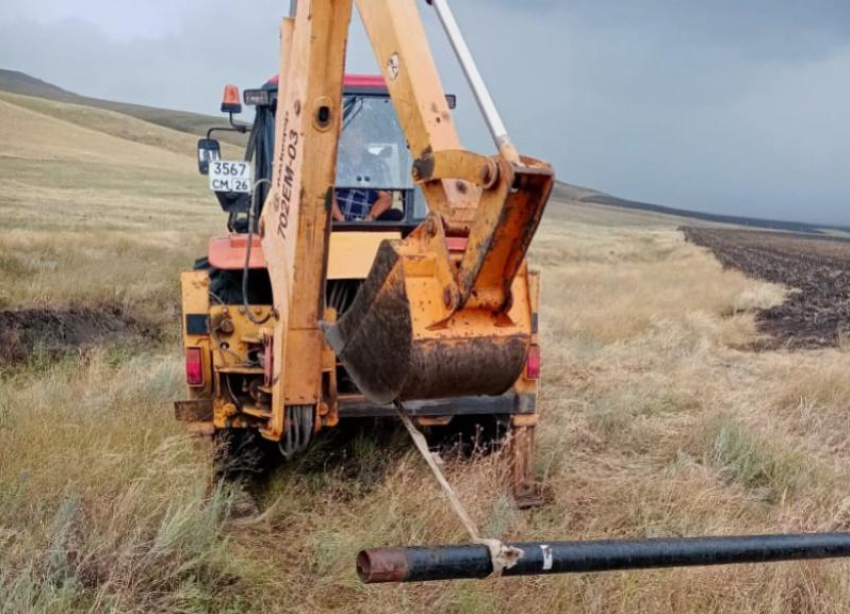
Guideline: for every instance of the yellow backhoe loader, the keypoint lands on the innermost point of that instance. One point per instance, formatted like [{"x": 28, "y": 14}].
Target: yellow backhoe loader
[{"x": 371, "y": 259}]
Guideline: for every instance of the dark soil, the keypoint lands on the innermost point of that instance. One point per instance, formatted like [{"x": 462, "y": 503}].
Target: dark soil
[
  {"x": 55, "y": 332},
  {"x": 818, "y": 314}
]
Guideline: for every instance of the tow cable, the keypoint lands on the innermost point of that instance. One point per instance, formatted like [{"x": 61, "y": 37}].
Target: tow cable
[{"x": 501, "y": 556}]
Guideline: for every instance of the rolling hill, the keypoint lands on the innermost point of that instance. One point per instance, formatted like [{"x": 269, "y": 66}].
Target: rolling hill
[
  {"x": 93, "y": 168},
  {"x": 91, "y": 197},
  {"x": 600, "y": 198},
  {"x": 16, "y": 82},
  {"x": 589, "y": 196},
  {"x": 50, "y": 99}
]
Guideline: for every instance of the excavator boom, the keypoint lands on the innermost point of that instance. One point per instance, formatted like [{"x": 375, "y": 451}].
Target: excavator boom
[
  {"x": 429, "y": 321},
  {"x": 426, "y": 325}
]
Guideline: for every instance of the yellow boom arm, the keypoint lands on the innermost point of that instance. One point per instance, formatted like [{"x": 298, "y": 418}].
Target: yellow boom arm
[{"x": 424, "y": 324}]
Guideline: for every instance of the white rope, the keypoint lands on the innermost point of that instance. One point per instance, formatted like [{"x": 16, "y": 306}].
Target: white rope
[{"x": 501, "y": 556}]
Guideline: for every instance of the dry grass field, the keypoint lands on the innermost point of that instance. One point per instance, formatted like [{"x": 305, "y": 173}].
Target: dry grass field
[{"x": 657, "y": 420}]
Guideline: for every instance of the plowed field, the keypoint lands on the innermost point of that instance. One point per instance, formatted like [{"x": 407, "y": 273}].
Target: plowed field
[{"x": 817, "y": 268}]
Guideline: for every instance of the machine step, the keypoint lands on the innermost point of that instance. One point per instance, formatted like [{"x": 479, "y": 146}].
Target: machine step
[{"x": 257, "y": 412}]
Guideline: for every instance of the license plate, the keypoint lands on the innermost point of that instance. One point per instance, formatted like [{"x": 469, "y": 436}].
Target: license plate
[{"x": 228, "y": 176}]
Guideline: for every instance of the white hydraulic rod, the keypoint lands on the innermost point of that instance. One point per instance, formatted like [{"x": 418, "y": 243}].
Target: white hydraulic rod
[{"x": 476, "y": 82}]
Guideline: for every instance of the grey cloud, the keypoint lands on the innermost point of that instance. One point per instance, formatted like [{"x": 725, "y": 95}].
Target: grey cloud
[
  {"x": 757, "y": 28},
  {"x": 728, "y": 106}
]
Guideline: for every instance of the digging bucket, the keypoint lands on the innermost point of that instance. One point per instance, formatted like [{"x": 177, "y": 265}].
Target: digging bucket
[{"x": 399, "y": 342}]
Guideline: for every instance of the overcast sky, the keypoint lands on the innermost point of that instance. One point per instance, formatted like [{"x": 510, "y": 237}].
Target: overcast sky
[{"x": 719, "y": 105}]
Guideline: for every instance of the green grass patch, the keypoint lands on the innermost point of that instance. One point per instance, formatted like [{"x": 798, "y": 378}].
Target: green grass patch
[{"x": 770, "y": 468}]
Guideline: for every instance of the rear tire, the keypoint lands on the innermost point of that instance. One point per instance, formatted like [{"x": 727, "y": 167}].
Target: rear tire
[
  {"x": 226, "y": 285},
  {"x": 240, "y": 454}
]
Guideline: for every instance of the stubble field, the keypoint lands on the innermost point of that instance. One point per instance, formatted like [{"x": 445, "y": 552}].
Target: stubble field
[{"x": 658, "y": 419}]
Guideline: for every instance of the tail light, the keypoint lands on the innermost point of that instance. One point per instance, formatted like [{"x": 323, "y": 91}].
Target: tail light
[
  {"x": 194, "y": 367},
  {"x": 532, "y": 363}
]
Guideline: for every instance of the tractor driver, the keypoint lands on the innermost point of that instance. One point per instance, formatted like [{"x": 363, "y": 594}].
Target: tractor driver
[{"x": 354, "y": 204}]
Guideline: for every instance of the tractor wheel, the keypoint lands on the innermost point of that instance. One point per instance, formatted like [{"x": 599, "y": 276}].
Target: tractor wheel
[
  {"x": 240, "y": 454},
  {"x": 226, "y": 285}
]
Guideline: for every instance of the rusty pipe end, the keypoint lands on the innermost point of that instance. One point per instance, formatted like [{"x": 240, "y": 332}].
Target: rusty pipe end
[{"x": 375, "y": 565}]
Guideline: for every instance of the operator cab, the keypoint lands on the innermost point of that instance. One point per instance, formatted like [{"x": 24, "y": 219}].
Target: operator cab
[{"x": 372, "y": 155}]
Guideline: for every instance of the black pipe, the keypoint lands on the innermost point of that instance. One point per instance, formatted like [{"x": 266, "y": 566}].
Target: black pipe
[{"x": 421, "y": 563}]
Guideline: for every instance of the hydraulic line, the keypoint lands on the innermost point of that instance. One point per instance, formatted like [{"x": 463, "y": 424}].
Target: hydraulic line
[
  {"x": 299, "y": 430},
  {"x": 476, "y": 82}
]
